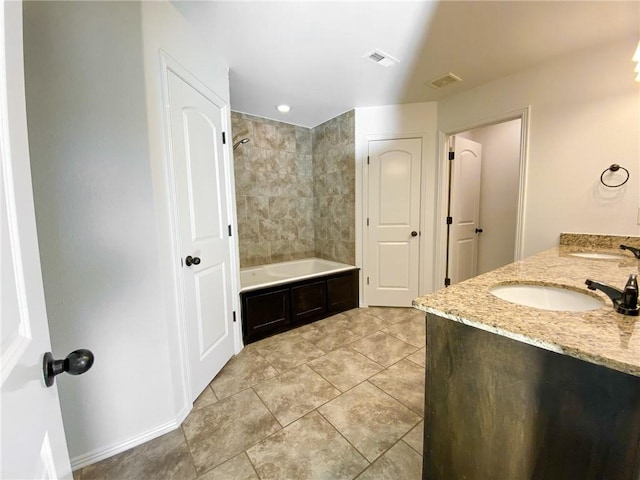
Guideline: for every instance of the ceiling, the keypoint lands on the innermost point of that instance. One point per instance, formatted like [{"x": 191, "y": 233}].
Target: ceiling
[{"x": 311, "y": 55}]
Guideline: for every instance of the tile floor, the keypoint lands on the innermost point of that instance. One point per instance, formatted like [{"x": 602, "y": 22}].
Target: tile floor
[{"x": 340, "y": 398}]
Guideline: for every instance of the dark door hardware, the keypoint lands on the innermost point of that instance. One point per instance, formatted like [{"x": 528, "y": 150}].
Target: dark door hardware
[
  {"x": 478, "y": 230},
  {"x": 76, "y": 363},
  {"x": 414, "y": 234},
  {"x": 192, "y": 260}
]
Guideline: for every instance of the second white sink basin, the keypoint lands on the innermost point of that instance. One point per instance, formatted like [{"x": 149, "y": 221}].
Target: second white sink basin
[
  {"x": 547, "y": 297},
  {"x": 598, "y": 256}
]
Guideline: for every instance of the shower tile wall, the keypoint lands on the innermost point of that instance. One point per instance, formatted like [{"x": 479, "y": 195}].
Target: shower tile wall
[
  {"x": 334, "y": 188},
  {"x": 274, "y": 190},
  {"x": 295, "y": 190}
]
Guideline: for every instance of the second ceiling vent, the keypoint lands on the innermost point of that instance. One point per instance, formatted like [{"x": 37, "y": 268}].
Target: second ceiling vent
[
  {"x": 381, "y": 58},
  {"x": 444, "y": 80}
]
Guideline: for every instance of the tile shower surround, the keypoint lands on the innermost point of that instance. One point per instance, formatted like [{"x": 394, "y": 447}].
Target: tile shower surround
[{"x": 295, "y": 190}]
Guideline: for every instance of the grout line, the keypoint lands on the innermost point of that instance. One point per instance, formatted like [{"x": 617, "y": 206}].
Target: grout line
[
  {"x": 347, "y": 440},
  {"x": 407, "y": 444},
  {"x": 251, "y": 463}
]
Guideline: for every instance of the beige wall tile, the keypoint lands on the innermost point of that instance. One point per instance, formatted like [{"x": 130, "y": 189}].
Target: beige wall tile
[{"x": 295, "y": 189}]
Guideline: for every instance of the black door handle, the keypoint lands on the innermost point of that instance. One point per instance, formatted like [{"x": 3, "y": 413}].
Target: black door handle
[
  {"x": 478, "y": 230},
  {"x": 76, "y": 363},
  {"x": 192, "y": 260},
  {"x": 414, "y": 234}
]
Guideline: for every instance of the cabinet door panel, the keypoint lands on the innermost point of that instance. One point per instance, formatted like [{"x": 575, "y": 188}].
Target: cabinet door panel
[
  {"x": 266, "y": 312},
  {"x": 342, "y": 292},
  {"x": 308, "y": 302}
]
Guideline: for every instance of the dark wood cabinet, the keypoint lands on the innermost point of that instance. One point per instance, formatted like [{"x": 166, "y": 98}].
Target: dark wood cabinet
[
  {"x": 267, "y": 312},
  {"x": 272, "y": 310},
  {"x": 308, "y": 302},
  {"x": 342, "y": 293},
  {"x": 497, "y": 408}
]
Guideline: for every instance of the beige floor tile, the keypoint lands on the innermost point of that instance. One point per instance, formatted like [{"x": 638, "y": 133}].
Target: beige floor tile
[
  {"x": 399, "y": 462},
  {"x": 410, "y": 330},
  {"x": 309, "y": 448},
  {"x": 415, "y": 438},
  {"x": 238, "y": 468},
  {"x": 229, "y": 417},
  {"x": 363, "y": 323},
  {"x": 207, "y": 397},
  {"x": 419, "y": 358},
  {"x": 244, "y": 370},
  {"x": 395, "y": 314},
  {"x": 383, "y": 348},
  {"x": 165, "y": 457},
  {"x": 369, "y": 418},
  {"x": 328, "y": 336},
  {"x": 223, "y": 430},
  {"x": 77, "y": 474},
  {"x": 345, "y": 368},
  {"x": 295, "y": 393},
  {"x": 404, "y": 381},
  {"x": 288, "y": 352}
]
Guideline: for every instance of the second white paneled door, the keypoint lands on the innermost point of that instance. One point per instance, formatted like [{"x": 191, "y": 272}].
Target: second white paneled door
[
  {"x": 202, "y": 197},
  {"x": 393, "y": 245},
  {"x": 466, "y": 168}
]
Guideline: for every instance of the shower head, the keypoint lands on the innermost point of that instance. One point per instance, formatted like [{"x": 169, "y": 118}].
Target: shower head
[{"x": 237, "y": 144}]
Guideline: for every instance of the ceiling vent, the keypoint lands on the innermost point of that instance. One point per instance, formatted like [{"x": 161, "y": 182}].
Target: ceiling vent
[
  {"x": 381, "y": 58},
  {"x": 444, "y": 80}
]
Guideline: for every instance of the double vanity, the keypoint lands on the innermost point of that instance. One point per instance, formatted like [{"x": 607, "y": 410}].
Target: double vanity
[{"x": 531, "y": 375}]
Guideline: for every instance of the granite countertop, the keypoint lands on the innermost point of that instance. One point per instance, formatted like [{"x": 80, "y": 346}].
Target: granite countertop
[{"x": 603, "y": 336}]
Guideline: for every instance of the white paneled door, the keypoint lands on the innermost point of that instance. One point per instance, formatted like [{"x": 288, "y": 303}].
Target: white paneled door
[
  {"x": 202, "y": 183},
  {"x": 464, "y": 209},
  {"x": 32, "y": 438},
  {"x": 393, "y": 245}
]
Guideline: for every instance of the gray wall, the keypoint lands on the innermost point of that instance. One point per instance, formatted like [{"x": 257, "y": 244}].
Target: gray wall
[{"x": 94, "y": 204}]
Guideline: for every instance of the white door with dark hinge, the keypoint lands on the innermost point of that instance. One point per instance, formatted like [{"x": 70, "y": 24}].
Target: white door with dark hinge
[
  {"x": 464, "y": 209},
  {"x": 197, "y": 117},
  {"x": 393, "y": 255},
  {"x": 32, "y": 441}
]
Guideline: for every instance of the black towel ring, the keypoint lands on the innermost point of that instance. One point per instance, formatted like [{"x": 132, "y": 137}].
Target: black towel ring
[{"x": 614, "y": 168}]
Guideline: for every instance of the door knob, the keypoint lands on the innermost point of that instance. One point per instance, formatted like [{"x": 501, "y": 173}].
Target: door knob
[
  {"x": 414, "y": 234},
  {"x": 76, "y": 363},
  {"x": 478, "y": 230},
  {"x": 192, "y": 260}
]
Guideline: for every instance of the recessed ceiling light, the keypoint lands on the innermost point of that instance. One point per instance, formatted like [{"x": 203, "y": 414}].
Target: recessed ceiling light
[{"x": 284, "y": 108}]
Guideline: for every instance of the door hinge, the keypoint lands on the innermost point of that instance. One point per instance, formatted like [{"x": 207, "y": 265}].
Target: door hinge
[
  {"x": 452, "y": 155},
  {"x": 234, "y": 317},
  {"x": 367, "y": 222},
  {"x": 449, "y": 220},
  {"x": 447, "y": 282},
  {"x": 367, "y": 280},
  {"x": 229, "y": 230},
  {"x": 367, "y": 159},
  {"x": 224, "y": 138}
]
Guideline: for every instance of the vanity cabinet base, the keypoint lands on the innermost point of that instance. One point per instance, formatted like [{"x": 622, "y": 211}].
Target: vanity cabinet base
[{"x": 496, "y": 408}]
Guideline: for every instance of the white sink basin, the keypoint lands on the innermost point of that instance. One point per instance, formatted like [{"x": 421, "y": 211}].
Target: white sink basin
[
  {"x": 598, "y": 256},
  {"x": 547, "y": 297}
]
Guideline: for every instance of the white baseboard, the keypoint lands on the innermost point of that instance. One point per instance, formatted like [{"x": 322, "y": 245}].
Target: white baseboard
[{"x": 99, "y": 454}]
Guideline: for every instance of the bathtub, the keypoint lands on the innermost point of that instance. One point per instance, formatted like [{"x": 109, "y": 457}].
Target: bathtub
[
  {"x": 273, "y": 274},
  {"x": 282, "y": 296}
]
